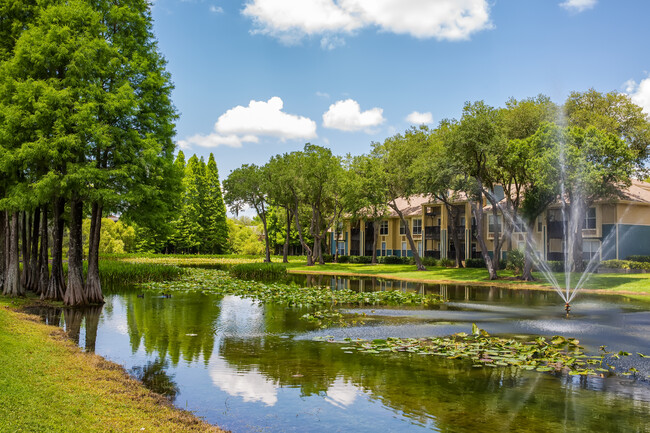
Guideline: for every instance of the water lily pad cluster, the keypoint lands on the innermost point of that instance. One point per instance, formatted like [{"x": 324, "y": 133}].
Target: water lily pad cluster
[
  {"x": 291, "y": 295},
  {"x": 558, "y": 354},
  {"x": 327, "y": 318}
]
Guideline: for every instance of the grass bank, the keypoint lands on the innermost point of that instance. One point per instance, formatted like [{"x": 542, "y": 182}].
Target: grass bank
[
  {"x": 623, "y": 284},
  {"x": 49, "y": 385}
]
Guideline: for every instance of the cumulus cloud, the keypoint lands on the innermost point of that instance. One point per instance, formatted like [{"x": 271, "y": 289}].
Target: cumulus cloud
[
  {"x": 639, "y": 93},
  {"x": 291, "y": 20},
  {"x": 246, "y": 124},
  {"x": 216, "y": 9},
  {"x": 347, "y": 116},
  {"x": 578, "y": 5},
  {"x": 417, "y": 118}
]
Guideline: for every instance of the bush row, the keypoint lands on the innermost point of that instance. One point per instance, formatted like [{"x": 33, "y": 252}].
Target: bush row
[
  {"x": 644, "y": 259},
  {"x": 625, "y": 264}
]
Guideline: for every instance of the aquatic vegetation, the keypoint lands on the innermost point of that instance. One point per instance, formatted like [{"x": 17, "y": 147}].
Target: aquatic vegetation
[
  {"x": 119, "y": 273},
  {"x": 559, "y": 354},
  {"x": 258, "y": 271},
  {"x": 327, "y": 318},
  {"x": 290, "y": 295}
]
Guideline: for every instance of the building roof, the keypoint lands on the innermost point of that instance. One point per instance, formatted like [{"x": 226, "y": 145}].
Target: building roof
[{"x": 638, "y": 192}]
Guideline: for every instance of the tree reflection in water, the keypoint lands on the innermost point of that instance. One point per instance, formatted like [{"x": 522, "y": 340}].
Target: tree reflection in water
[{"x": 155, "y": 377}]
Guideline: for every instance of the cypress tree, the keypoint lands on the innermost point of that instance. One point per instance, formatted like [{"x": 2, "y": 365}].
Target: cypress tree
[{"x": 216, "y": 227}]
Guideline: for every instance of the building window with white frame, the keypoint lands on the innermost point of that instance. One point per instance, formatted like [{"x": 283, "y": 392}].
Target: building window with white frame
[
  {"x": 492, "y": 227},
  {"x": 403, "y": 249},
  {"x": 590, "y": 248},
  {"x": 417, "y": 226},
  {"x": 402, "y": 227},
  {"x": 383, "y": 249},
  {"x": 383, "y": 228},
  {"x": 590, "y": 219}
]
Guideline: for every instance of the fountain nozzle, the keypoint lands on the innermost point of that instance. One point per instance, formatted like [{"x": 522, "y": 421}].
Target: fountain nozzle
[{"x": 567, "y": 308}]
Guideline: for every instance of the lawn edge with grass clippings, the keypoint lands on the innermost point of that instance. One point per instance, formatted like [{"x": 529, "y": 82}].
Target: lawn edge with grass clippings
[{"x": 50, "y": 385}]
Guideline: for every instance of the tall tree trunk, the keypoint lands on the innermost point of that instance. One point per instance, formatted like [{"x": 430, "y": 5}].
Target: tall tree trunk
[
  {"x": 416, "y": 255},
  {"x": 477, "y": 210},
  {"x": 32, "y": 280},
  {"x": 305, "y": 247},
  {"x": 453, "y": 216},
  {"x": 267, "y": 242},
  {"x": 56, "y": 286},
  {"x": 375, "y": 240},
  {"x": 24, "y": 248},
  {"x": 3, "y": 249},
  {"x": 93, "y": 284},
  {"x": 527, "y": 274},
  {"x": 576, "y": 224},
  {"x": 43, "y": 265},
  {"x": 75, "y": 294},
  {"x": 12, "y": 283},
  {"x": 285, "y": 249}
]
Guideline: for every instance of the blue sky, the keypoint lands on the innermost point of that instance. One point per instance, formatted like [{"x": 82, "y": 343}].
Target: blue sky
[{"x": 255, "y": 78}]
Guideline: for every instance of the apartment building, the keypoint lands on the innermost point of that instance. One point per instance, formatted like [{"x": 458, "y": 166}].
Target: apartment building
[{"x": 613, "y": 229}]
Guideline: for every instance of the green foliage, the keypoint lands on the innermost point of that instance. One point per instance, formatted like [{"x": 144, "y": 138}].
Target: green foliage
[
  {"x": 645, "y": 259},
  {"x": 447, "y": 262},
  {"x": 475, "y": 263},
  {"x": 429, "y": 261},
  {"x": 515, "y": 261},
  {"x": 114, "y": 273},
  {"x": 258, "y": 271},
  {"x": 116, "y": 237},
  {"x": 394, "y": 260},
  {"x": 626, "y": 264},
  {"x": 220, "y": 282},
  {"x": 244, "y": 239},
  {"x": 483, "y": 350},
  {"x": 214, "y": 212}
]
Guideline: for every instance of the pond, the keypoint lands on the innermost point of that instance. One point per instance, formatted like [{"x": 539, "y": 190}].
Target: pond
[{"x": 250, "y": 367}]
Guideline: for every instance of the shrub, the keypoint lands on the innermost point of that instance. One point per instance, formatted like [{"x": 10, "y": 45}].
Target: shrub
[
  {"x": 394, "y": 260},
  {"x": 447, "y": 262},
  {"x": 328, "y": 258},
  {"x": 258, "y": 271},
  {"x": 643, "y": 259},
  {"x": 474, "y": 263},
  {"x": 625, "y": 264},
  {"x": 361, "y": 259},
  {"x": 515, "y": 261},
  {"x": 429, "y": 261},
  {"x": 555, "y": 265},
  {"x": 343, "y": 259}
]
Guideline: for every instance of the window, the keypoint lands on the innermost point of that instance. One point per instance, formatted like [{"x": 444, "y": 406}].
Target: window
[
  {"x": 519, "y": 227},
  {"x": 492, "y": 227},
  {"x": 539, "y": 224},
  {"x": 402, "y": 228},
  {"x": 590, "y": 218},
  {"x": 590, "y": 248},
  {"x": 341, "y": 248},
  {"x": 417, "y": 227},
  {"x": 383, "y": 228},
  {"x": 403, "y": 249},
  {"x": 438, "y": 222},
  {"x": 383, "y": 248},
  {"x": 462, "y": 221},
  {"x": 419, "y": 245}
]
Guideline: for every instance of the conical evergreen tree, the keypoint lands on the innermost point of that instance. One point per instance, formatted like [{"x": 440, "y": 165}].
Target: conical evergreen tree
[
  {"x": 216, "y": 228},
  {"x": 190, "y": 230}
]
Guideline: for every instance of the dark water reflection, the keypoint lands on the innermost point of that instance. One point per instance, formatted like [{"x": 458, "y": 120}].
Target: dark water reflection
[{"x": 252, "y": 367}]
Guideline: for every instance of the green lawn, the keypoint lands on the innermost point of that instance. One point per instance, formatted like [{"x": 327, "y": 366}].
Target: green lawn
[
  {"x": 614, "y": 283},
  {"x": 49, "y": 385}
]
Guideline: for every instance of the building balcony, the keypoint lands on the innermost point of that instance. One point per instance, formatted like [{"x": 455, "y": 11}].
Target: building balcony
[
  {"x": 431, "y": 253},
  {"x": 556, "y": 229},
  {"x": 432, "y": 233}
]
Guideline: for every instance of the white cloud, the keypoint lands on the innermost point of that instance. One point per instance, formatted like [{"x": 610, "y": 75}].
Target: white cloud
[
  {"x": 417, "y": 118},
  {"x": 331, "y": 42},
  {"x": 246, "y": 124},
  {"x": 639, "y": 93},
  {"x": 578, "y": 5},
  {"x": 291, "y": 20},
  {"x": 347, "y": 116},
  {"x": 216, "y": 9},
  {"x": 323, "y": 95}
]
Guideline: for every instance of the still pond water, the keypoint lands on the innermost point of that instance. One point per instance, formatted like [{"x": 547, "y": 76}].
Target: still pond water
[{"x": 254, "y": 368}]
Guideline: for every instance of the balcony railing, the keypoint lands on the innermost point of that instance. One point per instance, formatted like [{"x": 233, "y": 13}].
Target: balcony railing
[
  {"x": 556, "y": 229},
  {"x": 432, "y": 233}
]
